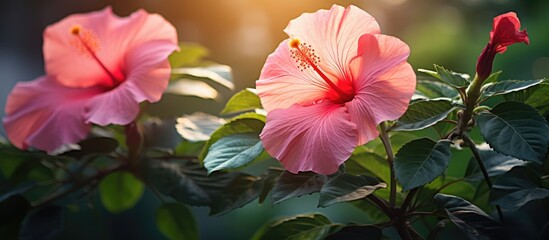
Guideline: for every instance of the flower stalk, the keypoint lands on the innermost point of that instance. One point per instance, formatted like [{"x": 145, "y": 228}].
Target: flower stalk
[{"x": 384, "y": 136}]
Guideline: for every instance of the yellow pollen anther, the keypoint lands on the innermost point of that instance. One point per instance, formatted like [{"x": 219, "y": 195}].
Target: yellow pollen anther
[
  {"x": 87, "y": 43},
  {"x": 303, "y": 54},
  {"x": 294, "y": 43},
  {"x": 84, "y": 40},
  {"x": 76, "y": 29},
  {"x": 306, "y": 58}
]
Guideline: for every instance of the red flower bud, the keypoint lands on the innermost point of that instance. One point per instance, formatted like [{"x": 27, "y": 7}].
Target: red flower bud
[{"x": 506, "y": 31}]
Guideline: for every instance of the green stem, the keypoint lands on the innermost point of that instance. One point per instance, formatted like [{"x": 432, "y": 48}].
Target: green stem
[
  {"x": 384, "y": 136},
  {"x": 408, "y": 200},
  {"x": 134, "y": 142},
  {"x": 477, "y": 156},
  {"x": 400, "y": 222},
  {"x": 471, "y": 99},
  {"x": 382, "y": 205},
  {"x": 402, "y": 229}
]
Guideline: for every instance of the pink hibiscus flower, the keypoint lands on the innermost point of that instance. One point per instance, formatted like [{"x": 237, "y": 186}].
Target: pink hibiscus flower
[
  {"x": 99, "y": 67},
  {"x": 329, "y": 85},
  {"x": 505, "y": 31}
]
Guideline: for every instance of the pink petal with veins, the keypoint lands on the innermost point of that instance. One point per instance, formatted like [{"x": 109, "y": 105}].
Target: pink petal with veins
[
  {"x": 328, "y": 87},
  {"x": 99, "y": 68},
  {"x": 315, "y": 138},
  {"x": 385, "y": 83},
  {"x": 333, "y": 35},
  {"x": 44, "y": 114},
  {"x": 111, "y": 37}
]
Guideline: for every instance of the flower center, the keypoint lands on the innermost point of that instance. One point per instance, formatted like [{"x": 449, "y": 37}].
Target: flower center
[
  {"x": 305, "y": 57},
  {"x": 87, "y": 43}
]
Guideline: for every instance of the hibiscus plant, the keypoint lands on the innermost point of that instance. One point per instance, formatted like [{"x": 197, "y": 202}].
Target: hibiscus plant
[{"x": 337, "y": 110}]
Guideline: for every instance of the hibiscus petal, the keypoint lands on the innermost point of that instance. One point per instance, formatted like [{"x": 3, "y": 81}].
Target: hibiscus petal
[
  {"x": 506, "y": 31},
  {"x": 114, "y": 36},
  {"x": 282, "y": 84},
  {"x": 68, "y": 61},
  {"x": 117, "y": 106},
  {"x": 150, "y": 70},
  {"x": 151, "y": 39},
  {"x": 149, "y": 28},
  {"x": 385, "y": 83},
  {"x": 46, "y": 115},
  {"x": 360, "y": 112},
  {"x": 333, "y": 34},
  {"x": 316, "y": 138}
]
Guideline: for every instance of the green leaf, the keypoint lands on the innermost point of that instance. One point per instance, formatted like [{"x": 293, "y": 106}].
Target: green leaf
[
  {"x": 493, "y": 77},
  {"x": 421, "y": 161},
  {"x": 10, "y": 160},
  {"x": 346, "y": 187},
  {"x": 507, "y": 86},
  {"x": 190, "y": 54},
  {"x": 517, "y": 199},
  {"x": 535, "y": 96},
  {"x": 198, "y": 126},
  {"x": 538, "y": 99},
  {"x": 217, "y": 75},
  {"x": 32, "y": 170},
  {"x": 300, "y": 227},
  {"x": 233, "y": 151},
  {"x": 269, "y": 180},
  {"x": 19, "y": 165},
  {"x": 518, "y": 178},
  {"x": 242, "y": 190},
  {"x": 45, "y": 223},
  {"x": 245, "y": 100},
  {"x": 357, "y": 232},
  {"x": 13, "y": 210},
  {"x": 190, "y": 87},
  {"x": 513, "y": 184},
  {"x": 291, "y": 185},
  {"x": 244, "y": 123},
  {"x": 176, "y": 221},
  {"x": 495, "y": 163},
  {"x": 423, "y": 113},
  {"x": 436, "y": 89},
  {"x": 120, "y": 191},
  {"x": 188, "y": 182},
  {"x": 515, "y": 129},
  {"x": 470, "y": 219},
  {"x": 457, "y": 80}
]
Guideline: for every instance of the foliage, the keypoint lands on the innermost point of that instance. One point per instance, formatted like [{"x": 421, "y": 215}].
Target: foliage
[{"x": 418, "y": 176}]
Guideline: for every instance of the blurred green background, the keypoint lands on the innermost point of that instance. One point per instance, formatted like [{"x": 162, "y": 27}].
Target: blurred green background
[{"x": 241, "y": 33}]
